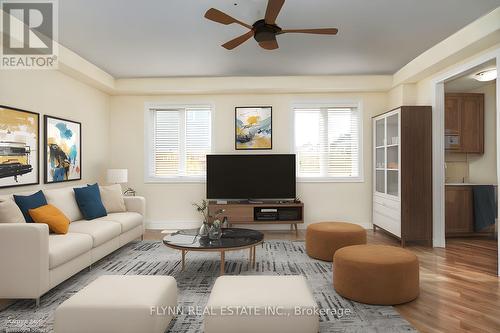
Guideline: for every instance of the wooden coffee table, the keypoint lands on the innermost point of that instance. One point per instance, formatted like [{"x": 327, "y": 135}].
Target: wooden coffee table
[{"x": 232, "y": 239}]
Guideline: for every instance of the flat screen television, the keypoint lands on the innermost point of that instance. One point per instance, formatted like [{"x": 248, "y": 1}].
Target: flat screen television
[{"x": 251, "y": 176}]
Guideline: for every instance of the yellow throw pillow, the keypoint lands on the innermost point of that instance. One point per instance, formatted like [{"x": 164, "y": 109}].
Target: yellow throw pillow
[{"x": 58, "y": 223}]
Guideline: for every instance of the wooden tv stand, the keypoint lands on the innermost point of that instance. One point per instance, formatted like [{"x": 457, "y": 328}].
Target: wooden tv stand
[{"x": 246, "y": 212}]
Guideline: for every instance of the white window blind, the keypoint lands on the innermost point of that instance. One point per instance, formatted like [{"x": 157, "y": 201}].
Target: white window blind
[
  {"x": 181, "y": 140},
  {"x": 327, "y": 142}
]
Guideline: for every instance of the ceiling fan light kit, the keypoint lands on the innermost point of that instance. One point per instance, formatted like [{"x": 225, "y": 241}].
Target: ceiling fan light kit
[{"x": 264, "y": 31}]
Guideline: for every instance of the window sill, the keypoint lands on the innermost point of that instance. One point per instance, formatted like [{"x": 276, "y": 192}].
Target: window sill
[
  {"x": 186, "y": 180},
  {"x": 330, "y": 180}
]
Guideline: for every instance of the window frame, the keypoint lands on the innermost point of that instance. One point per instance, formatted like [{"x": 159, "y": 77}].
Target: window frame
[
  {"x": 358, "y": 104},
  {"x": 149, "y": 117}
]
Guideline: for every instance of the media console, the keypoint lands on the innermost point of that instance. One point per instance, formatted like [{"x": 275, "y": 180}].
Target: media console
[{"x": 267, "y": 212}]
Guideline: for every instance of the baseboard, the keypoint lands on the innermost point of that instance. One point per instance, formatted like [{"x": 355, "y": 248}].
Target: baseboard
[{"x": 174, "y": 225}]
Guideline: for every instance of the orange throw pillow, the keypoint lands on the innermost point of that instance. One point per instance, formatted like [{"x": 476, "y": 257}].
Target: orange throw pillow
[{"x": 58, "y": 223}]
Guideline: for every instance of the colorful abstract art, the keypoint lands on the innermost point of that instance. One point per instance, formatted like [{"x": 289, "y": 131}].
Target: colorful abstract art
[
  {"x": 19, "y": 142},
  {"x": 63, "y": 150},
  {"x": 253, "y": 128}
]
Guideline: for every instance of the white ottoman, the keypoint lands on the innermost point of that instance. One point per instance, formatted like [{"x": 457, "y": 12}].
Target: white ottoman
[
  {"x": 249, "y": 304},
  {"x": 119, "y": 303}
]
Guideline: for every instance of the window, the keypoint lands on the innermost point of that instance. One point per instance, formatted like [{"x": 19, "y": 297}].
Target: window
[
  {"x": 328, "y": 143},
  {"x": 179, "y": 139}
]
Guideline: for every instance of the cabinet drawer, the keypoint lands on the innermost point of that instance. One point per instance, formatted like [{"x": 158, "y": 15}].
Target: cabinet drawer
[
  {"x": 393, "y": 213},
  {"x": 237, "y": 213},
  {"x": 387, "y": 203},
  {"x": 388, "y": 223}
]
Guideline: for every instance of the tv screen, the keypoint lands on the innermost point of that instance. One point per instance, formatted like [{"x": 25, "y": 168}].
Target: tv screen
[{"x": 270, "y": 176}]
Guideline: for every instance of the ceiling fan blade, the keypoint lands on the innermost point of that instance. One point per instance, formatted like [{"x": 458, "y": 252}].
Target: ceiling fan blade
[
  {"x": 217, "y": 16},
  {"x": 324, "y": 31},
  {"x": 273, "y": 10},
  {"x": 269, "y": 44},
  {"x": 237, "y": 41}
]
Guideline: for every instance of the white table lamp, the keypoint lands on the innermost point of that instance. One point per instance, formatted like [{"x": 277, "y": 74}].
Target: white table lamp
[{"x": 119, "y": 176}]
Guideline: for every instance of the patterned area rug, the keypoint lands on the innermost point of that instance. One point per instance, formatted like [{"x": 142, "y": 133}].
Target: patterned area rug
[{"x": 195, "y": 283}]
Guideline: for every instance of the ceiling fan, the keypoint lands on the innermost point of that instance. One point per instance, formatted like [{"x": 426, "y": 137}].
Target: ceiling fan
[{"x": 265, "y": 30}]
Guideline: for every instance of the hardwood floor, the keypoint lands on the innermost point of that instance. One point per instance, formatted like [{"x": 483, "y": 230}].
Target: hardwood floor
[{"x": 459, "y": 286}]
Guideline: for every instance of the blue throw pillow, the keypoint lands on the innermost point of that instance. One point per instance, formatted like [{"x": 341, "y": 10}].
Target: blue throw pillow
[
  {"x": 89, "y": 201},
  {"x": 27, "y": 202}
]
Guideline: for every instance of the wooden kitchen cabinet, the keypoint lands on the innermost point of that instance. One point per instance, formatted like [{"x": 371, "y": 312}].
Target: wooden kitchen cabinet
[
  {"x": 452, "y": 115},
  {"x": 464, "y": 123},
  {"x": 459, "y": 210}
]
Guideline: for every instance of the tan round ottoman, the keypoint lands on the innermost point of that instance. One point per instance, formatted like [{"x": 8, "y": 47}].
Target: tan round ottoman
[
  {"x": 324, "y": 238},
  {"x": 376, "y": 274}
]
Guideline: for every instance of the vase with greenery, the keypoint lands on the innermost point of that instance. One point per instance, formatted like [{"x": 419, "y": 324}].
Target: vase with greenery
[
  {"x": 208, "y": 219},
  {"x": 215, "y": 231}
]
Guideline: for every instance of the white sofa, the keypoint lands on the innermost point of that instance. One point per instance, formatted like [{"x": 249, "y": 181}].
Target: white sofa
[{"x": 33, "y": 261}]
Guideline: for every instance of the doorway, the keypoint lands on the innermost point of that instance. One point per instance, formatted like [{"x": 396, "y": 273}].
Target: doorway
[
  {"x": 465, "y": 154},
  {"x": 471, "y": 180}
]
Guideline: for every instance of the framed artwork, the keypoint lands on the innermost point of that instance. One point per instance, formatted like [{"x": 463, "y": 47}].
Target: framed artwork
[
  {"x": 253, "y": 128},
  {"x": 62, "y": 150},
  {"x": 19, "y": 147}
]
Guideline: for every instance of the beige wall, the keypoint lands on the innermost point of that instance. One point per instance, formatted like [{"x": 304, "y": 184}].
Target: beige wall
[
  {"x": 53, "y": 93},
  {"x": 171, "y": 202},
  {"x": 483, "y": 168},
  {"x": 403, "y": 94}
]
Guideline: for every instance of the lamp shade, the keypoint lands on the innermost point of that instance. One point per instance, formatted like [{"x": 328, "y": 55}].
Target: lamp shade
[{"x": 117, "y": 176}]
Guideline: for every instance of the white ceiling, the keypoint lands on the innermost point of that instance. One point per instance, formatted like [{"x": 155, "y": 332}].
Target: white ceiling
[
  {"x": 160, "y": 38},
  {"x": 466, "y": 81}
]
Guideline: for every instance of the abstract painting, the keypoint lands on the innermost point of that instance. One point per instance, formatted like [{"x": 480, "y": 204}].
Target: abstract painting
[
  {"x": 63, "y": 150},
  {"x": 253, "y": 128},
  {"x": 19, "y": 146}
]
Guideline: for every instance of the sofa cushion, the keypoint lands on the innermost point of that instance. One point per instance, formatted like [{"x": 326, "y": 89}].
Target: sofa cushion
[
  {"x": 58, "y": 222},
  {"x": 112, "y": 198},
  {"x": 63, "y": 248},
  {"x": 101, "y": 231},
  {"x": 64, "y": 200},
  {"x": 27, "y": 202},
  {"x": 89, "y": 201},
  {"x": 128, "y": 220},
  {"x": 10, "y": 212},
  {"x": 4, "y": 197}
]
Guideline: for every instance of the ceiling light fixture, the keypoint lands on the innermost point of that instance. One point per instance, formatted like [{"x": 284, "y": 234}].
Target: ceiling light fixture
[{"x": 487, "y": 75}]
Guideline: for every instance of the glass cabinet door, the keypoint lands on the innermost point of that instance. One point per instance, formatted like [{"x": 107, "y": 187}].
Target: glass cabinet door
[
  {"x": 392, "y": 182},
  {"x": 380, "y": 158},
  {"x": 392, "y": 159},
  {"x": 380, "y": 133},
  {"x": 380, "y": 162},
  {"x": 386, "y": 151},
  {"x": 380, "y": 181},
  {"x": 393, "y": 129}
]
